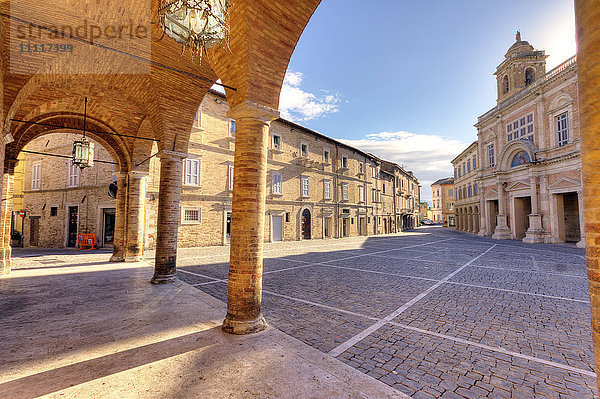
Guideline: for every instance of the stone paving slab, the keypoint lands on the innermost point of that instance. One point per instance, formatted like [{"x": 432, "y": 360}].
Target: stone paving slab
[
  {"x": 104, "y": 331},
  {"x": 425, "y": 366},
  {"x": 371, "y": 294},
  {"x": 527, "y": 281},
  {"x": 550, "y": 329}
]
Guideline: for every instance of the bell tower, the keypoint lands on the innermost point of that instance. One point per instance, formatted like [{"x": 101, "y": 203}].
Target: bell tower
[{"x": 522, "y": 66}]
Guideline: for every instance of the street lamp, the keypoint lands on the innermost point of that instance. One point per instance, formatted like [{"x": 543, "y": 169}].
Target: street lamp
[
  {"x": 83, "y": 148},
  {"x": 197, "y": 24},
  {"x": 83, "y": 153}
]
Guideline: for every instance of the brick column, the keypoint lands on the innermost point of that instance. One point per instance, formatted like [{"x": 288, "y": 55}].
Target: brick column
[
  {"x": 248, "y": 218},
  {"x": 171, "y": 165},
  {"x": 588, "y": 69},
  {"x": 136, "y": 217},
  {"x": 120, "y": 219},
  {"x": 8, "y": 180}
]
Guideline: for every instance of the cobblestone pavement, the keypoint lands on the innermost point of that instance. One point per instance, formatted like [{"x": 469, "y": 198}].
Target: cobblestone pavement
[{"x": 434, "y": 313}]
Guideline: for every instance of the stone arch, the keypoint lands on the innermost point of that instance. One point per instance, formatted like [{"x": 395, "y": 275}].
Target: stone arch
[
  {"x": 514, "y": 147},
  {"x": 561, "y": 101},
  {"x": 25, "y": 133},
  {"x": 529, "y": 75},
  {"x": 505, "y": 84}
]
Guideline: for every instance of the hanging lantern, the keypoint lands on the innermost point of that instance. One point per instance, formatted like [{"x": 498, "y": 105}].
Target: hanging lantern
[
  {"x": 197, "y": 24},
  {"x": 83, "y": 153}
]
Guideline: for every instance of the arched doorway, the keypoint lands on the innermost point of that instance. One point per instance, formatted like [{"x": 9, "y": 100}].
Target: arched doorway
[{"x": 305, "y": 224}]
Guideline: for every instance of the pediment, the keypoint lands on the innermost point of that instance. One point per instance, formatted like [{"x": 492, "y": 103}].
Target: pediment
[
  {"x": 564, "y": 183},
  {"x": 491, "y": 193},
  {"x": 519, "y": 185}
]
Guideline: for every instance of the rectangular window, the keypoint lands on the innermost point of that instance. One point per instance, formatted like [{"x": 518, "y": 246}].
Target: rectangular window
[
  {"x": 384, "y": 188},
  {"x": 327, "y": 189},
  {"x": 475, "y": 162},
  {"x": 191, "y": 215},
  {"x": 455, "y": 173},
  {"x": 373, "y": 172},
  {"x": 374, "y": 195},
  {"x": 304, "y": 150},
  {"x": 326, "y": 156},
  {"x": 36, "y": 176},
  {"x": 470, "y": 191},
  {"x": 326, "y": 226},
  {"x": 345, "y": 162},
  {"x": 73, "y": 174},
  {"x": 450, "y": 192},
  {"x": 198, "y": 118},
  {"x": 344, "y": 191},
  {"x": 192, "y": 172},
  {"x": 53, "y": 211},
  {"x": 232, "y": 128},
  {"x": 277, "y": 183},
  {"x": 361, "y": 193},
  {"x": 361, "y": 168},
  {"x": 562, "y": 128},
  {"x": 468, "y": 166},
  {"x": 459, "y": 171},
  {"x": 464, "y": 169},
  {"x": 305, "y": 187},
  {"x": 491, "y": 156},
  {"x": 378, "y": 196},
  {"x": 230, "y": 177},
  {"x": 276, "y": 142},
  {"x": 474, "y": 189},
  {"x": 521, "y": 128}
]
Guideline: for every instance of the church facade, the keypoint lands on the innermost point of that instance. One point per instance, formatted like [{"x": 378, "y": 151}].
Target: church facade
[{"x": 529, "y": 179}]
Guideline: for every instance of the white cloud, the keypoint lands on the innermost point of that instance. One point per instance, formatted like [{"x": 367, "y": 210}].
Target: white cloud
[
  {"x": 427, "y": 156},
  {"x": 297, "y": 105}
]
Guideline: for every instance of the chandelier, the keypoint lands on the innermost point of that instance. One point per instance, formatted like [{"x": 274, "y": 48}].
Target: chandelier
[{"x": 196, "y": 24}]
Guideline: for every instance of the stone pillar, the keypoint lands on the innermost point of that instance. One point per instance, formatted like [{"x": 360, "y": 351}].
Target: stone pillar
[
  {"x": 535, "y": 234},
  {"x": 119, "y": 239},
  {"x": 581, "y": 243},
  {"x": 171, "y": 165},
  {"x": 248, "y": 218},
  {"x": 483, "y": 216},
  {"x": 502, "y": 231},
  {"x": 469, "y": 226},
  {"x": 588, "y": 68},
  {"x": 136, "y": 217},
  {"x": 6, "y": 208}
]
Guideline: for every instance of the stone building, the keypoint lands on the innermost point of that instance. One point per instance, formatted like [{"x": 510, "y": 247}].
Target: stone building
[
  {"x": 58, "y": 198},
  {"x": 529, "y": 178},
  {"x": 443, "y": 202},
  {"x": 317, "y": 188},
  {"x": 466, "y": 201}
]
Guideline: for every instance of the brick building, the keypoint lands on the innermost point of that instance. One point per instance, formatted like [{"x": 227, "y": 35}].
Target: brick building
[
  {"x": 317, "y": 188},
  {"x": 466, "y": 201},
  {"x": 529, "y": 180},
  {"x": 443, "y": 202}
]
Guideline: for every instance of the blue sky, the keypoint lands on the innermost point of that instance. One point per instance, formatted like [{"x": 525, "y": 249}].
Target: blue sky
[{"x": 406, "y": 79}]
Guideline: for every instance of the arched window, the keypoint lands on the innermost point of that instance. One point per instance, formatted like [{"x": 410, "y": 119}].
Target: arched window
[
  {"x": 529, "y": 76},
  {"x": 505, "y": 86}
]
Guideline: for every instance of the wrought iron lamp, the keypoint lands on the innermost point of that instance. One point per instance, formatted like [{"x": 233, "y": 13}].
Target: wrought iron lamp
[
  {"x": 197, "y": 24},
  {"x": 83, "y": 148}
]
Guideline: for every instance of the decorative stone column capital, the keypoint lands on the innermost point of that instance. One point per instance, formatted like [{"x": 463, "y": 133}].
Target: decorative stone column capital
[
  {"x": 134, "y": 174},
  {"x": 173, "y": 155},
  {"x": 253, "y": 110}
]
